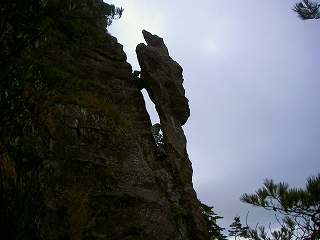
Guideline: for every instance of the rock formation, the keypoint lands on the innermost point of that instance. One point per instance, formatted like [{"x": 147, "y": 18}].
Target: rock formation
[
  {"x": 104, "y": 143},
  {"x": 110, "y": 178},
  {"x": 162, "y": 77},
  {"x": 135, "y": 189}
]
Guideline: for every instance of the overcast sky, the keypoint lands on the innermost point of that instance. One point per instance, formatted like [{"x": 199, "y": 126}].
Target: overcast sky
[{"x": 252, "y": 76}]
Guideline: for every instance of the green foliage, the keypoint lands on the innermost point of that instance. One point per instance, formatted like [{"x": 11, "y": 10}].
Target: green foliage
[
  {"x": 307, "y": 10},
  {"x": 215, "y": 231},
  {"x": 286, "y": 232},
  {"x": 300, "y": 208},
  {"x": 112, "y": 13},
  {"x": 177, "y": 211},
  {"x": 237, "y": 230}
]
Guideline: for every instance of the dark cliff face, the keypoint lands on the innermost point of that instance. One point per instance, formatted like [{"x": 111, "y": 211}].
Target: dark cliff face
[{"x": 110, "y": 182}]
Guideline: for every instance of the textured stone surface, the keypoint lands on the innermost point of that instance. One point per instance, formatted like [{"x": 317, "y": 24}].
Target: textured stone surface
[
  {"x": 111, "y": 179},
  {"x": 162, "y": 77}
]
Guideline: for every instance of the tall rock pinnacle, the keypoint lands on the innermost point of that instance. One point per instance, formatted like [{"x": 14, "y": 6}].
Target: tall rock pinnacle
[{"x": 162, "y": 77}]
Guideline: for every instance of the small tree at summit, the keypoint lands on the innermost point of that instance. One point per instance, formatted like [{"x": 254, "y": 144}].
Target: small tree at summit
[{"x": 112, "y": 13}]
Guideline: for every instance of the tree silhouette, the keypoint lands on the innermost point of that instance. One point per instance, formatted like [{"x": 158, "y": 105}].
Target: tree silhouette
[
  {"x": 215, "y": 231},
  {"x": 307, "y": 10},
  {"x": 300, "y": 207}
]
